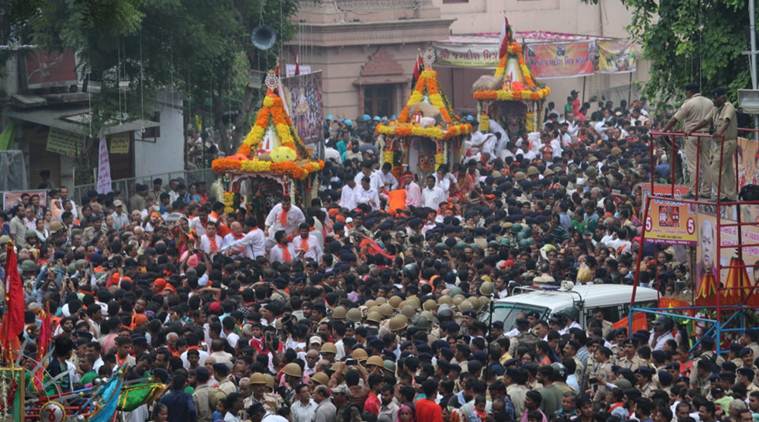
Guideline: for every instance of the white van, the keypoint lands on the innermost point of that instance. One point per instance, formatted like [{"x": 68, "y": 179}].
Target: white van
[{"x": 578, "y": 304}]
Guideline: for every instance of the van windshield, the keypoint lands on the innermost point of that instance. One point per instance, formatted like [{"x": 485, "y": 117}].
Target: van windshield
[{"x": 508, "y": 312}]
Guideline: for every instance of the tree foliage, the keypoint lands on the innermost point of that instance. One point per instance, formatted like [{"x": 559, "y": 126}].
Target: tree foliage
[
  {"x": 200, "y": 48},
  {"x": 691, "y": 40}
]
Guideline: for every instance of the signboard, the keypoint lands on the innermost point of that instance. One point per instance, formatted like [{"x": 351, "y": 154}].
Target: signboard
[
  {"x": 290, "y": 70},
  {"x": 303, "y": 96},
  {"x": 670, "y": 222},
  {"x": 62, "y": 142},
  {"x": 50, "y": 68},
  {"x": 617, "y": 56},
  {"x": 706, "y": 260},
  {"x": 467, "y": 55},
  {"x": 560, "y": 60},
  {"x": 119, "y": 143},
  {"x": 13, "y": 198},
  {"x": 659, "y": 189}
]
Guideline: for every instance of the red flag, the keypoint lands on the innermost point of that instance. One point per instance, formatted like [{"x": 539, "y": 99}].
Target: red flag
[
  {"x": 506, "y": 38},
  {"x": 418, "y": 65},
  {"x": 46, "y": 334},
  {"x": 13, "y": 320}
]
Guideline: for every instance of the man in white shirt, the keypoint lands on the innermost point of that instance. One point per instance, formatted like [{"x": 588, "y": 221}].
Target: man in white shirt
[
  {"x": 389, "y": 182},
  {"x": 444, "y": 180},
  {"x": 348, "y": 195},
  {"x": 251, "y": 244},
  {"x": 211, "y": 242},
  {"x": 302, "y": 409},
  {"x": 432, "y": 195},
  {"x": 306, "y": 245},
  {"x": 284, "y": 216},
  {"x": 233, "y": 241},
  {"x": 119, "y": 216},
  {"x": 375, "y": 180},
  {"x": 367, "y": 195},
  {"x": 413, "y": 191},
  {"x": 282, "y": 251},
  {"x": 198, "y": 224}
]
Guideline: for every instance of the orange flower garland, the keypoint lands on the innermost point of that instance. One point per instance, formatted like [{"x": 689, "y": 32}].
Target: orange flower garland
[
  {"x": 402, "y": 127},
  {"x": 272, "y": 112},
  {"x": 529, "y": 93}
]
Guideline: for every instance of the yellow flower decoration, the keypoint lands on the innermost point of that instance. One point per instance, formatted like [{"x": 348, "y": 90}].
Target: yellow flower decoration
[
  {"x": 254, "y": 166},
  {"x": 282, "y": 153},
  {"x": 415, "y": 98},
  {"x": 285, "y": 137},
  {"x": 484, "y": 123},
  {"x": 437, "y": 100},
  {"x": 268, "y": 101}
]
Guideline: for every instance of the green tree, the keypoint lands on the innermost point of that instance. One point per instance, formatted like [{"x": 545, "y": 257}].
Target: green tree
[
  {"x": 691, "y": 40},
  {"x": 201, "y": 48}
]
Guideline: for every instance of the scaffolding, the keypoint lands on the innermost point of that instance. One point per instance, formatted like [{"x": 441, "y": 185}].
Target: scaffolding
[{"x": 721, "y": 318}]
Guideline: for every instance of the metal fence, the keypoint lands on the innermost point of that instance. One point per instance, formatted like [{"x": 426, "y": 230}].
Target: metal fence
[{"x": 128, "y": 187}]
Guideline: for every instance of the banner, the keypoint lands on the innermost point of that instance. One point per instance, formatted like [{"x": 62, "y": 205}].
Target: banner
[
  {"x": 670, "y": 222},
  {"x": 303, "y": 95},
  {"x": 13, "y": 198},
  {"x": 104, "y": 168},
  {"x": 659, "y": 189},
  {"x": 560, "y": 60},
  {"x": 467, "y": 55},
  {"x": 49, "y": 68},
  {"x": 119, "y": 143},
  {"x": 706, "y": 258},
  {"x": 617, "y": 56},
  {"x": 748, "y": 173},
  {"x": 62, "y": 142}
]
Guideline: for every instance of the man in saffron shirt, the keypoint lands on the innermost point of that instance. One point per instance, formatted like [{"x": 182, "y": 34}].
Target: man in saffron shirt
[
  {"x": 427, "y": 410},
  {"x": 372, "y": 403}
]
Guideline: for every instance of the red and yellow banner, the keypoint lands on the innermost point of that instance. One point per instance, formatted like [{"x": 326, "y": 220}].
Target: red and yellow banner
[
  {"x": 560, "y": 60},
  {"x": 670, "y": 222}
]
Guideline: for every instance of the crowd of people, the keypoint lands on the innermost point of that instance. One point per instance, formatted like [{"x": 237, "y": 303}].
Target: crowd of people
[{"x": 344, "y": 309}]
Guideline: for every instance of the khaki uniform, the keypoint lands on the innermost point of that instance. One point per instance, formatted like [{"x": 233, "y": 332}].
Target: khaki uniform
[
  {"x": 648, "y": 389},
  {"x": 517, "y": 393},
  {"x": 631, "y": 364},
  {"x": 693, "y": 111},
  {"x": 724, "y": 117},
  {"x": 700, "y": 384},
  {"x": 525, "y": 338},
  {"x": 601, "y": 372}
]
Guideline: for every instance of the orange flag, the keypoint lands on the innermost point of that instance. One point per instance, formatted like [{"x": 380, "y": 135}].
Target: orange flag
[{"x": 639, "y": 323}]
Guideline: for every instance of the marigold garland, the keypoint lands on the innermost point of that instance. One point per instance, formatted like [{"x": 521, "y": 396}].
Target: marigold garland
[
  {"x": 404, "y": 128},
  {"x": 283, "y": 158},
  {"x": 229, "y": 202},
  {"x": 434, "y": 132},
  {"x": 531, "y": 93}
]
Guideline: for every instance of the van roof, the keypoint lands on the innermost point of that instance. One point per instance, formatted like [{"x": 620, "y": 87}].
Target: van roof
[{"x": 593, "y": 295}]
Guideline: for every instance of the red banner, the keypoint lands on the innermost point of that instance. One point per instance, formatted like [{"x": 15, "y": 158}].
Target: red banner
[{"x": 560, "y": 60}]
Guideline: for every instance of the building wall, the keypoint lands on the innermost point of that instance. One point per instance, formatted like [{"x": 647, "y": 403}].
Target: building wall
[
  {"x": 341, "y": 68},
  {"x": 167, "y": 153},
  {"x": 338, "y": 38},
  {"x": 607, "y": 18}
]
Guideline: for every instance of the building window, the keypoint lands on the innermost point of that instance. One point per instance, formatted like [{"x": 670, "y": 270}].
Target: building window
[{"x": 379, "y": 99}]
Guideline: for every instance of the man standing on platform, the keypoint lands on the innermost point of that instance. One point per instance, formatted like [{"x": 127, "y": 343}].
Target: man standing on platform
[
  {"x": 724, "y": 121},
  {"x": 692, "y": 112}
]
